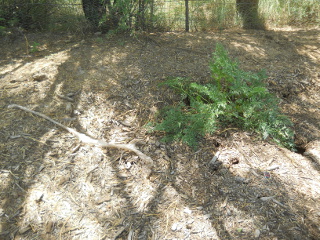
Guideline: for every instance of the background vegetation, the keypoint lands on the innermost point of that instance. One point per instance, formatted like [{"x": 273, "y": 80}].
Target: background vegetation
[{"x": 155, "y": 15}]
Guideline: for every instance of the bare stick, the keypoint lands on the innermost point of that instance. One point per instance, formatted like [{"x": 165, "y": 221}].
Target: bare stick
[{"x": 88, "y": 140}]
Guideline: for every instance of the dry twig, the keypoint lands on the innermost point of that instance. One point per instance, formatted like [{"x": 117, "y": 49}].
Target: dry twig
[{"x": 88, "y": 140}]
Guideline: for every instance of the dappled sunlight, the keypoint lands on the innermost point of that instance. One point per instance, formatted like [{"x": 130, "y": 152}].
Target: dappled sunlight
[
  {"x": 5, "y": 178},
  {"x": 311, "y": 51},
  {"x": 93, "y": 117},
  {"x": 302, "y": 168},
  {"x": 7, "y": 68},
  {"x": 177, "y": 218},
  {"x": 33, "y": 79},
  {"x": 253, "y": 49},
  {"x": 55, "y": 187},
  {"x": 63, "y": 207},
  {"x": 141, "y": 194},
  {"x": 58, "y": 208}
]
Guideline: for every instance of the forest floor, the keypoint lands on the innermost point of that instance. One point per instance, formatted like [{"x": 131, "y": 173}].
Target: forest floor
[{"x": 54, "y": 187}]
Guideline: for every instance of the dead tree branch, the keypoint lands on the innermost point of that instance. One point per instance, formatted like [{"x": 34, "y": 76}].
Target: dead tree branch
[{"x": 88, "y": 140}]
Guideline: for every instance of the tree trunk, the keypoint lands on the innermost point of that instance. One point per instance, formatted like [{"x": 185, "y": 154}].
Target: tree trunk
[
  {"x": 187, "y": 15},
  {"x": 141, "y": 15},
  {"x": 94, "y": 11},
  {"x": 248, "y": 10}
]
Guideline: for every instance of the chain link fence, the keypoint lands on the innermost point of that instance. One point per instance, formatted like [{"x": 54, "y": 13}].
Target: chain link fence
[{"x": 153, "y": 15}]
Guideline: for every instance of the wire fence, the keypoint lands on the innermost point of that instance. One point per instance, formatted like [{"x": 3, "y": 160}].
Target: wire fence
[
  {"x": 198, "y": 15},
  {"x": 154, "y": 15}
]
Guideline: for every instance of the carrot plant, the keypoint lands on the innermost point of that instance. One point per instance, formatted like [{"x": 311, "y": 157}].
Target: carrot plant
[{"x": 232, "y": 97}]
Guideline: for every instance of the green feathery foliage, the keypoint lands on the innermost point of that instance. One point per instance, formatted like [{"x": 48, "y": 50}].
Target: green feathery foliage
[{"x": 232, "y": 97}]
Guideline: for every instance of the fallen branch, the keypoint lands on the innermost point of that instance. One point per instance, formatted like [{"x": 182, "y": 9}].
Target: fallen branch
[{"x": 88, "y": 140}]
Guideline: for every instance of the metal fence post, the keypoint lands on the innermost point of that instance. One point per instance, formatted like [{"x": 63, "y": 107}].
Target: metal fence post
[{"x": 187, "y": 14}]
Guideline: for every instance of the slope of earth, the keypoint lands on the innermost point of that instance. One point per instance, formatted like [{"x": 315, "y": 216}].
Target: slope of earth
[{"x": 54, "y": 187}]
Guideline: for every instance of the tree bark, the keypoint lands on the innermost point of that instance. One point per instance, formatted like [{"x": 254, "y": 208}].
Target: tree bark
[
  {"x": 187, "y": 15},
  {"x": 248, "y": 10},
  {"x": 141, "y": 24},
  {"x": 94, "y": 11}
]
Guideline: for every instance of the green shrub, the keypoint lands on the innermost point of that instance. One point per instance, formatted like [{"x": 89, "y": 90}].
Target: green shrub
[{"x": 232, "y": 97}]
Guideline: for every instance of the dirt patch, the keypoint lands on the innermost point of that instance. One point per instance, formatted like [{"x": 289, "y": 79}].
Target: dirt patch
[{"x": 53, "y": 187}]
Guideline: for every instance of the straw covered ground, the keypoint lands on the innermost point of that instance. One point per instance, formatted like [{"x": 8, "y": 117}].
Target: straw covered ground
[{"x": 53, "y": 186}]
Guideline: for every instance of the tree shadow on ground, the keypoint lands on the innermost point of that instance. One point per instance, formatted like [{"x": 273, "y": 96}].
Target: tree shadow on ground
[
  {"x": 64, "y": 189},
  {"x": 240, "y": 202},
  {"x": 27, "y": 140},
  {"x": 250, "y": 47}
]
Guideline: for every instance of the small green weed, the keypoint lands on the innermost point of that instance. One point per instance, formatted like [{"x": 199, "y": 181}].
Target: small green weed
[
  {"x": 2, "y": 28},
  {"x": 99, "y": 40},
  {"x": 34, "y": 47},
  {"x": 232, "y": 97}
]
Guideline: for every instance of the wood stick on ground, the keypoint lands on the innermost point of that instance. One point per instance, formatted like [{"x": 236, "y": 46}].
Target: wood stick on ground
[{"x": 88, "y": 140}]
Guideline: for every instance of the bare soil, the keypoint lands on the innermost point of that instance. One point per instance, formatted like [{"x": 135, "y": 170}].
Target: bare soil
[{"x": 54, "y": 187}]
